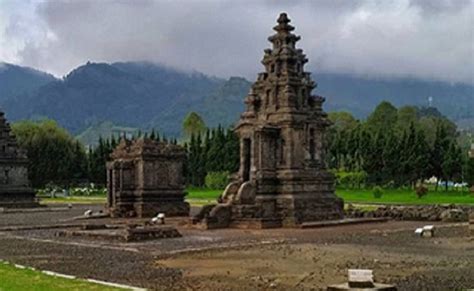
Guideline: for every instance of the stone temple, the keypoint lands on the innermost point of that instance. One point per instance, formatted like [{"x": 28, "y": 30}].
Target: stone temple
[
  {"x": 144, "y": 178},
  {"x": 15, "y": 190},
  {"x": 283, "y": 179}
]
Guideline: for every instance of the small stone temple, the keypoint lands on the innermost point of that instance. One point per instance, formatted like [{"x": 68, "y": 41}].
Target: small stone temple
[
  {"x": 144, "y": 178},
  {"x": 15, "y": 190},
  {"x": 283, "y": 179}
]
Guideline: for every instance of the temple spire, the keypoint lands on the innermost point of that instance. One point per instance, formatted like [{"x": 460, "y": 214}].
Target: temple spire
[{"x": 283, "y": 24}]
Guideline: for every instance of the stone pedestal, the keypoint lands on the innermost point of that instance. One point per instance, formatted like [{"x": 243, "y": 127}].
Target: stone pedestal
[
  {"x": 18, "y": 198},
  {"x": 376, "y": 287}
]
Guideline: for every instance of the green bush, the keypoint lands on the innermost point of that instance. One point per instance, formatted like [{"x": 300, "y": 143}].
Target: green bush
[
  {"x": 377, "y": 192},
  {"x": 52, "y": 190},
  {"x": 350, "y": 180},
  {"x": 421, "y": 191},
  {"x": 217, "y": 180},
  {"x": 87, "y": 191}
]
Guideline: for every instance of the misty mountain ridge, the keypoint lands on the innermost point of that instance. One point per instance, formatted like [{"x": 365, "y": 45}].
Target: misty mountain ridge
[
  {"x": 147, "y": 95},
  {"x": 16, "y": 80}
]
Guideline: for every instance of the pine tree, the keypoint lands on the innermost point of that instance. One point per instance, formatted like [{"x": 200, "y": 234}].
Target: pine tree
[
  {"x": 374, "y": 159},
  {"x": 452, "y": 163},
  {"x": 421, "y": 163},
  {"x": 469, "y": 176},
  {"x": 439, "y": 150},
  {"x": 153, "y": 134},
  {"x": 391, "y": 157}
]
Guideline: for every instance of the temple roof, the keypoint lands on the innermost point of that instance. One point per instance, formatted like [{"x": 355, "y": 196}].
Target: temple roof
[
  {"x": 8, "y": 145},
  {"x": 143, "y": 147},
  {"x": 283, "y": 25}
]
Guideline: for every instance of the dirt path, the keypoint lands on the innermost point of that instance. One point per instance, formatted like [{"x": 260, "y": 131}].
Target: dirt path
[{"x": 411, "y": 263}]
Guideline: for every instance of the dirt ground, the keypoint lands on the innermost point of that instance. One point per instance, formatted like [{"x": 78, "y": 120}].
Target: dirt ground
[{"x": 232, "y": 259}]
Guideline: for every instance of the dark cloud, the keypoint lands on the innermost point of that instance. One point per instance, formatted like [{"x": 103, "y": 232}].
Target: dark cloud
[{"x": 425, "y": 39}]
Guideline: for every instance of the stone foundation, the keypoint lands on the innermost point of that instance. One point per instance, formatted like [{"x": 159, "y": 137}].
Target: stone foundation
[
  {"x": 268, "y": 211},
  {"x": 447, "y": 213},
  {"x": 125, "y": 233},
  {"x": 150, "y": 204},
  {"x": 376, "y": 287}
]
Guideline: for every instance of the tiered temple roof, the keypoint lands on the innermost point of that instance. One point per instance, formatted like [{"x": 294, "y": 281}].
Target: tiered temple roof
[{"x": 8, "y": 146}]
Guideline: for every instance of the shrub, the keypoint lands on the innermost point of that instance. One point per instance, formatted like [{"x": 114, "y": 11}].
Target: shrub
[
  {"x": 350, "y": 180},
  {"x": 377, "y": 192},
  {"x": 421, "y": 191},
  {"x": 217, "y": 180}
]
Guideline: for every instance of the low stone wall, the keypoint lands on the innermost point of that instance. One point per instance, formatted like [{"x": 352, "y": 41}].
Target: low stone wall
[{"x": 450, "y": 213}]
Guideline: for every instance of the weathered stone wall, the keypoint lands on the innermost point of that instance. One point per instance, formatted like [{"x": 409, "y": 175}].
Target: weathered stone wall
[
  {"x": 451, "y": 213},
  {"x": 14, "y": 175},
  {"x": 144, "y": 178}
]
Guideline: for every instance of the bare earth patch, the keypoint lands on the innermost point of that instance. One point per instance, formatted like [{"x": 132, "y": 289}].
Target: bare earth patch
[{"x": 233, "y": 259}]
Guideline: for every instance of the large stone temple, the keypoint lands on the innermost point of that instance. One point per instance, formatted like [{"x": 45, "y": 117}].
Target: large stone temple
[
  {"x": 144, "y": 178},
  {"x": 15, "y": 190},
  {"x": 283, "y": 179}
]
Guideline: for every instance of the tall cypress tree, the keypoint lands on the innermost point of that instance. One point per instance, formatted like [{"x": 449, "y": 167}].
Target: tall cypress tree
[
  {"x": 439, "y": 150},
  {"x": 373, "y": 164},
  {"x": 391, "y": 157},
  {"x": 452, "y": 162}
]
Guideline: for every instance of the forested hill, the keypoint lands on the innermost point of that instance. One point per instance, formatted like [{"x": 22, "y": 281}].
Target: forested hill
[
  {"x": 132, "y": 94},
  {"x": 360, "y": 95},
  {"x": 146, "y": 95},
  {"x": 16, "y": 81}
]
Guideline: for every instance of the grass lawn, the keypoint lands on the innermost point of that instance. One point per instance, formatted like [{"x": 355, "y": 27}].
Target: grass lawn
[
  {"x": 199, "y": 197},
  {"x": 196, "y": 196},
  {"x": 396, "y": 196},
  {"x": 203, "y": 194},
  {"x": 403, "y": 196},
  {"x": 74, "y": 200},
  {"x": 12, "y": 279}
]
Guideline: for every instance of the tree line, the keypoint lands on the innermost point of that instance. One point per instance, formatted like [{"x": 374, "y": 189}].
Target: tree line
[
  {"x": 392, "y": 148},
  {"x": 396, "y": 147},
  {"x": 55, "y": 157}
]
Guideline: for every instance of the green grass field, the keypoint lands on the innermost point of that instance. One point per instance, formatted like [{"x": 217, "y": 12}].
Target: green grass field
[
  {"x": 396, "y": 196},
  {"x": 74, "y": 200},
  {"x": 13, "y": 279},
  {"x": 403, "y": 196},
  {"x": 199, "y": 197}
]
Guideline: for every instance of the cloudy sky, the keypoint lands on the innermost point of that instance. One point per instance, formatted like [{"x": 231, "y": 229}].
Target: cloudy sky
[{"x": 428, "y": 39}]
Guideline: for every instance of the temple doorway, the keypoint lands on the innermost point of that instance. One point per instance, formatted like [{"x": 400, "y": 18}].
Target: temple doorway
[{"x": 247, "y": 155}]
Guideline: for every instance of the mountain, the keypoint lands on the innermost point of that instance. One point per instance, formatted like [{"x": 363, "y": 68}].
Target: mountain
[
  {"x": 105, "y": 129},
  {"x": 360, "y": 95},
  {"x": 146, "y": 95},
  {"x": 16, "y": 81},
  {"x": 127, "y": 94}
]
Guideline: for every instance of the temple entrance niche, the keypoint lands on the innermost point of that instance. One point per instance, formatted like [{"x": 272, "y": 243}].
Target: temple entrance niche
[
  {"x": 247, "y": 158},
  {"x": 283, "y": 179}
]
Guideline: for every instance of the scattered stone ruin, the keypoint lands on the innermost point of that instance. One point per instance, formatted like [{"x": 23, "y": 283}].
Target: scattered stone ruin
[
  {"x": 122, "y": 233},
  {"x": 145, "y": 177},
  {"x": 282, "y": 180},
  {"x": 15, "y": 190}
]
